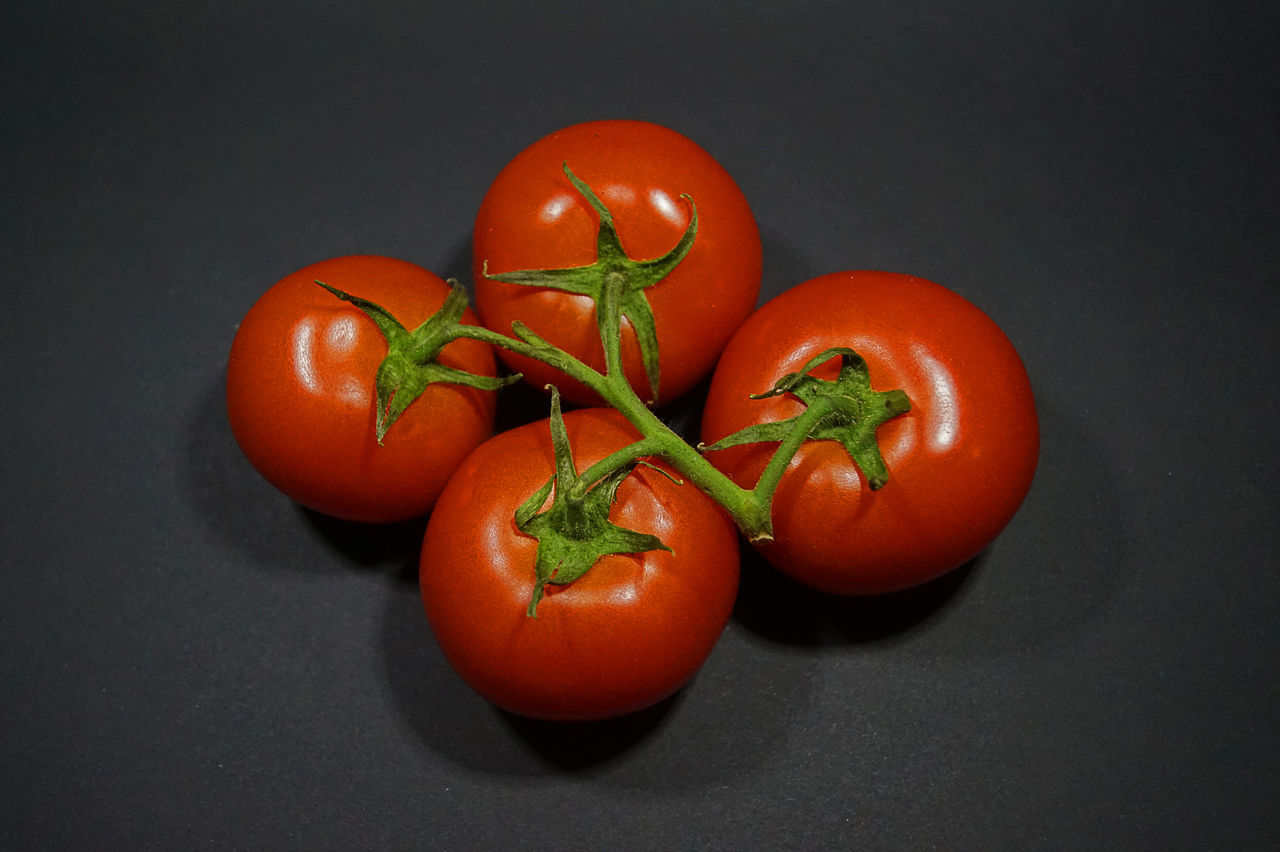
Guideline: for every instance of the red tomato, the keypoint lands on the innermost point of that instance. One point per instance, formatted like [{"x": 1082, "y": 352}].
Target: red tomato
[
  {"x": 960, "y": 462},
  {"x": 628, "y": 633},
  {"x": 300, "y": 393},
  {"x": 533, "y": 218}
]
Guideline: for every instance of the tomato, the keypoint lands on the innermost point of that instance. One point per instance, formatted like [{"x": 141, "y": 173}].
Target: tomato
[
  {"x": 533, "y": 218},
  {"x": 960, "y": 461},
  {"x": 625, "y": 635},
  {"x": 300, "y": 393}
]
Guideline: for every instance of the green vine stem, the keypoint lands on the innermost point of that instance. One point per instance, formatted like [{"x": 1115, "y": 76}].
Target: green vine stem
[
  {"x": 621, "y": 458},
  {"x": 750, "y": 510},
  {"x": 846, "y": 409}
]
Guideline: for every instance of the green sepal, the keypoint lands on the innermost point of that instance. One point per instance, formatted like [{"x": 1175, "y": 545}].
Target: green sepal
[
  {"x": 612, "y": 260},
  {"x": 854, "y": 411},
  {"x": 411, "y": 364},
  {"x": 754, "y": 434},
  {"x": 530, "y": 507},
  {"x": 635, "y": 307},
  {"x": 572, "y": 533}
]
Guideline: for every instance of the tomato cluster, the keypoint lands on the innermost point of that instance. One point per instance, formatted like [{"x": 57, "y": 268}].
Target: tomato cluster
[{"x": 867, "y": 431}]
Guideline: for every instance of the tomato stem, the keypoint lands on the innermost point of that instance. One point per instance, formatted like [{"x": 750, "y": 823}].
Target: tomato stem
[
  {"x": 799, "y": 432},
  {"x": 615, "y": 461},
  {"x": 745, "y": 507},
  {"x": 847, "y": 409},
  {"x": 532, "y": 346},
  {"x": 609, "y": 321}
]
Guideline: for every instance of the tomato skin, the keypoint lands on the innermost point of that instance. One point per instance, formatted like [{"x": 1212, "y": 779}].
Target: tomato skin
[
  {"x": 628, "y": 633},
  {"x": 300, "y": 393},
  {"x": 960, "y": 462},
  {"x": 533, "y": 218}
]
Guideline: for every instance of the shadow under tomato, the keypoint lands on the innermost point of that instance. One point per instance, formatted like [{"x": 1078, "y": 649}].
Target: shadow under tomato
[
  {"x": 454, "y": 721},
  {"x": 250, "y": 515},
  {"x": 373, "y": 545},
  {"x": 582, "y": 745},
  {"x": 1057, "y": 568},
  {"x": 779, "y": 608}
]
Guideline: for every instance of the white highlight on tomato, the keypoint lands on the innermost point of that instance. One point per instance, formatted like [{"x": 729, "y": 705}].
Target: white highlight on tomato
[
  {"x": 619, "y": 194},
  {"x": 303, "y": 347},
  {"x": 666, "y": 206},
  {"x": 354, "y": 393},
  {"x": 942, "y": 414},
  {"x": 555, "y": 207},
  {"x": 340, "y": 336}
]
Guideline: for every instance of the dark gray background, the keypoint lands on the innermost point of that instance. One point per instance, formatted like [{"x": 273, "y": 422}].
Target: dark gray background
[{"x": 190, "y": 661}]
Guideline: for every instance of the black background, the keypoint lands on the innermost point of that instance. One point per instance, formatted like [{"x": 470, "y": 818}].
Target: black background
[{"x": 191, "y": 661}]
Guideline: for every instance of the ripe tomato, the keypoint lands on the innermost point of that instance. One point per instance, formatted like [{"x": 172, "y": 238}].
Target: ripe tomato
[
  {"x": 628, "y": 633},
  {"x": 960, "y": 462},
  {"x": 533, "y": 218},
  {"x": 300, "y": 393}
]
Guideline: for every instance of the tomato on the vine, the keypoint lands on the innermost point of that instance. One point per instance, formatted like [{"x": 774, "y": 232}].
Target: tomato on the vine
[
  {"x": 651, "y": 179},
  {"x": 300, "y": 393},
  {"x": 960, "y": 461},
  {"x": 628, "y": 633}
]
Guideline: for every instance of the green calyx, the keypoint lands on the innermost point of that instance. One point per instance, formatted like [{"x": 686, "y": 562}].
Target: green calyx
[
  {"x": 411, "y": 363},
  {"x": 575, "y": 531},
  {"x": 845, "y": 409},
  {"x": 614, "y": 270}
]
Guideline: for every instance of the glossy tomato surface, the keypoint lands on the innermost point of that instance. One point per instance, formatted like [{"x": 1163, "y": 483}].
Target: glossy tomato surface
[
  {"x": 628, "y": 633},
  {"x": 960, "y": 462},
  {"x": 533, "y": 218},
  {"x": 300, "y": 393}
]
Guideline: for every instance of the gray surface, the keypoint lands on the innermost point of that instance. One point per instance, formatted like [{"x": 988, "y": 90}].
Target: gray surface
[{"x": 192, "y": 662}]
